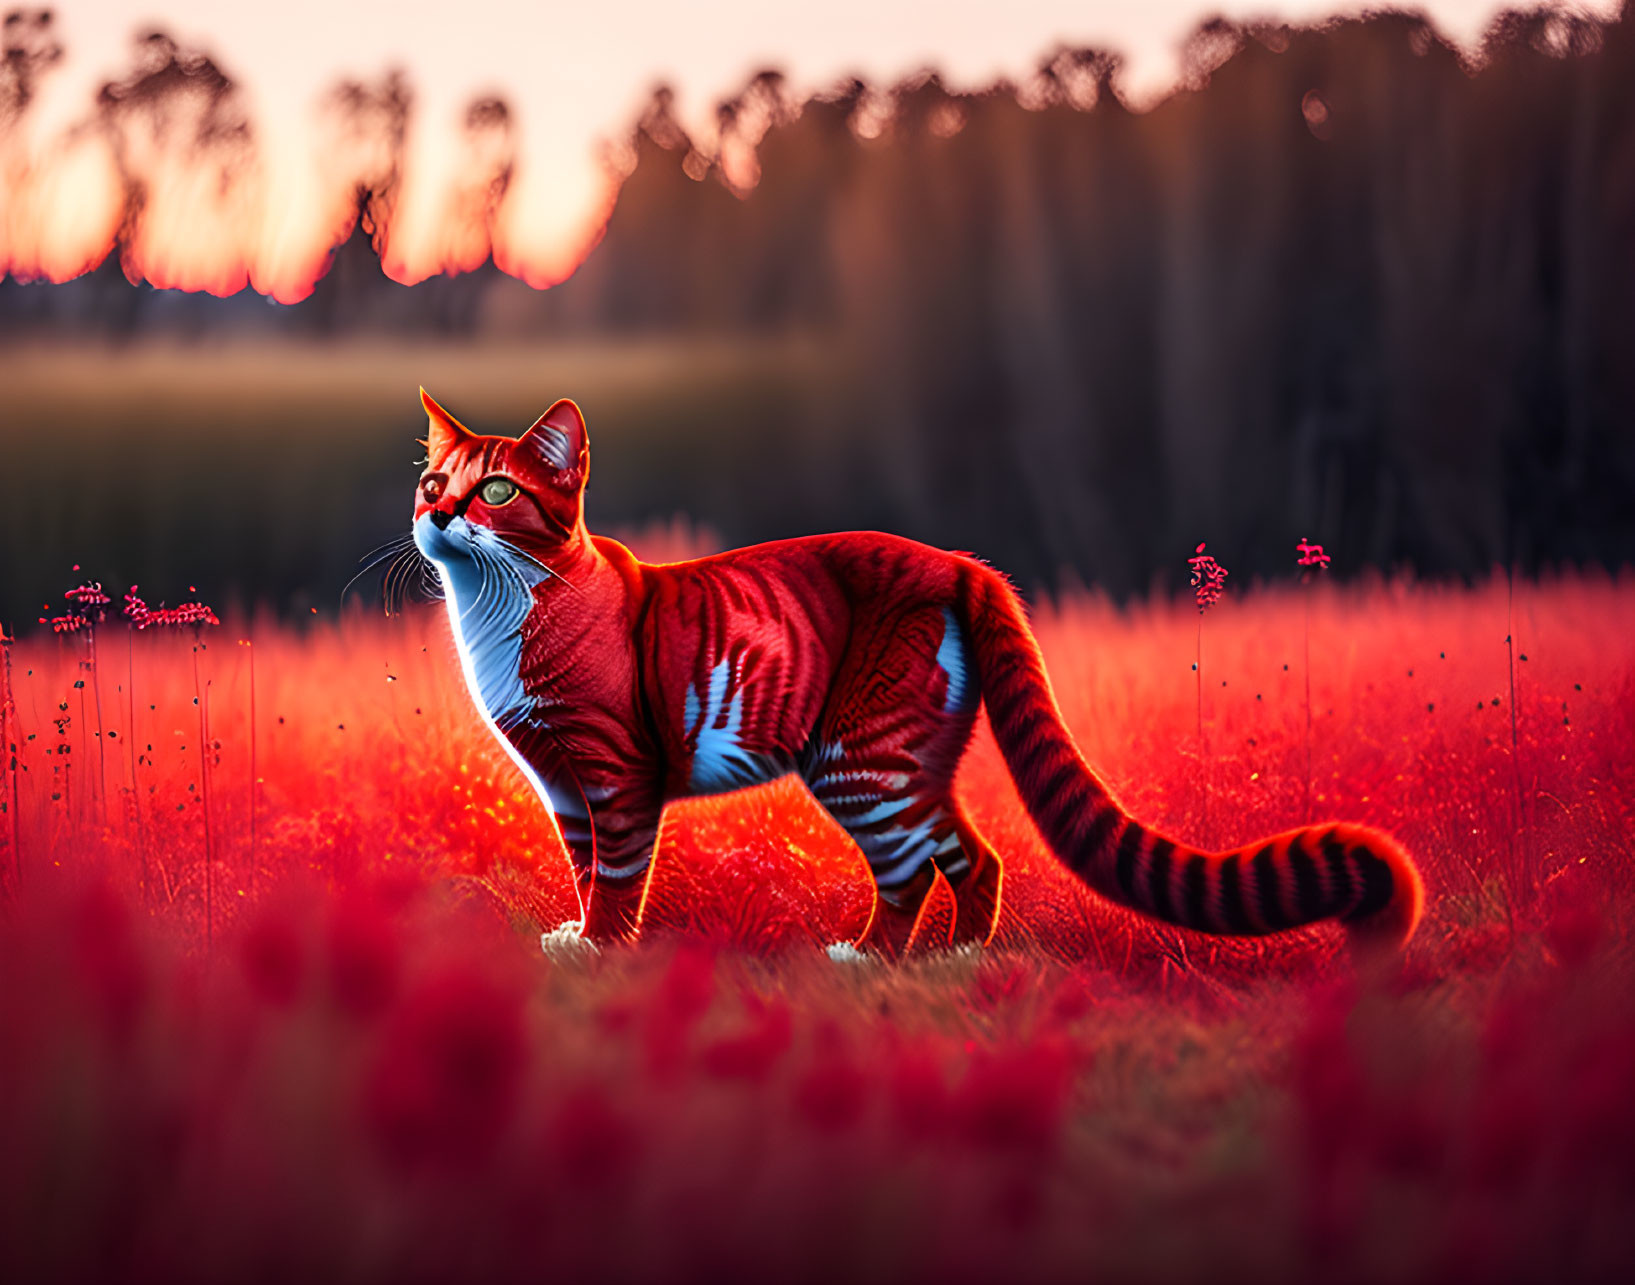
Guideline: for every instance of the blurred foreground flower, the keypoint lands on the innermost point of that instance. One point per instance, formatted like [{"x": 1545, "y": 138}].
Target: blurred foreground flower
[{"x": 450, "y": 1071}]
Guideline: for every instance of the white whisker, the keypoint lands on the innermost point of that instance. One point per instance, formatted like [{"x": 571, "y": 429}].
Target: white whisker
[
  {"x": 387, "y": 546},
  {"x": 394, "y": 553},
  {"x": 397, "y": 578}
]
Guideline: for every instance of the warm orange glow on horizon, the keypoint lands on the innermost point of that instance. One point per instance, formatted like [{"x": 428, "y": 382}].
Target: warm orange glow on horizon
[
  {"x": 455, "y": 177},
  {"x": 269, "y": 216},
  {"x": 59, "y": 215}
]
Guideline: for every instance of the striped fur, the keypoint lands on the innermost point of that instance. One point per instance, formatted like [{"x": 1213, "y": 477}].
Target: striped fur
[
  {"x": 1342, "y": 871},
  {"x": 858, "y": 661}
]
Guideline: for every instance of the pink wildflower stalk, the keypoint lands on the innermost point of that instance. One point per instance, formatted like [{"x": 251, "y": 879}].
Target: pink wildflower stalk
[
  {"x": 136, "y": 610},
  {"x": 136, "y": 615},
  {"x": 197, "y": 616},
  {"x": 8, "y": 748},
  {"x": 90, "y": 599},
  {"x": 204, "y": 616},
  {"x": 1208, "y": 584},
  {"x": 1528, "y": 879},
  {"x": 87, "y": 605},
  {"x": 130, "y": 752},
  {"x": 1312, "y": 555},
  {"x": 1208, "y": 579},
  {"x": 249, "y": 645},
  {"x": 1312, "y": 561}
]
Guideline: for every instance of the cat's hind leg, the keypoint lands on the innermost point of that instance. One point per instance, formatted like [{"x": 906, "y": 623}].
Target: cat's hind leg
[
  {"x": 882, "y": 761},
  {"x": 951, "y": 891},
  {"x": 978, "y": 878}
]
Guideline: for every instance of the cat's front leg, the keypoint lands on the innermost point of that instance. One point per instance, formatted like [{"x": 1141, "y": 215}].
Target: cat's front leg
[
  {"x": 609, "y": 835},
  {"x": 613, "y": 911},
  {"x": 613, "y": 887}
]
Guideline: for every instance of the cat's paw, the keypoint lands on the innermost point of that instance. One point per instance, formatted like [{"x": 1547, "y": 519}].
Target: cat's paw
[
  {"x": 567, "y": 941},
  {"x": 845, "y": 952}
]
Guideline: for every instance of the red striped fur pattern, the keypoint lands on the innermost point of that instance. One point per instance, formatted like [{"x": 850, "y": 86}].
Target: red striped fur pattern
[{"x": 857, "y": 661}]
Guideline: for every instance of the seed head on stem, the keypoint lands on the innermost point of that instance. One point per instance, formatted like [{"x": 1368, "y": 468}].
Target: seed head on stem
[{"x": 1208, "y": 579}]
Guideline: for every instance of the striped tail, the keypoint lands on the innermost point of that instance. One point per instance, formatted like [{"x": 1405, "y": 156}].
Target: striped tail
[{"x": 1352, "y": 873}]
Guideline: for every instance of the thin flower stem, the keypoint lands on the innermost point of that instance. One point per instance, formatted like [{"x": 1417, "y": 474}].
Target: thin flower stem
[
  {"x": 1308, "y": 705},
  {"x": 68, "y": 797},
  {"x": 130, "y": 746},
  {"x": 1203, "y": 750},
  {"x": 204, "y": 796},
  {"x": 102, "y": 737},
  {"x": 8, "y": 743},
  {"x": 84, "y": 752},
  {"x": 1208, "y": 584},
  {"x": 251, "y": 645},
  {"x": 1312, "y": 561},
  {"x": 1515, "y": 738},
  {"x": 1198, "y": 669}
]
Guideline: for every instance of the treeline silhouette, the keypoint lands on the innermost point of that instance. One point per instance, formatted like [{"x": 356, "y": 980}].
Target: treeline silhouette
[{"x": 1343, "y": 282}]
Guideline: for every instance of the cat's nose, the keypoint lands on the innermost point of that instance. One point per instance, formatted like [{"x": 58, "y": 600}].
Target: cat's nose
[{"x": 440, "y": 519}]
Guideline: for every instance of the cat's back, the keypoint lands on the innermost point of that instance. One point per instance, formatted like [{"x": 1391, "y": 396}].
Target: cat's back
[
  {"x": 859, "y": 566},
  {"x": 783, "y": 586}
]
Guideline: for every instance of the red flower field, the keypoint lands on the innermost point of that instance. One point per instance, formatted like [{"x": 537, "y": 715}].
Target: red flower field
[{"x": 273, "y": 1001}]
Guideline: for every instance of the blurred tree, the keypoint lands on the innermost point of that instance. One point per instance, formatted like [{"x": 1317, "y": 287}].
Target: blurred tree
[{"x": 1343, "y": 281}]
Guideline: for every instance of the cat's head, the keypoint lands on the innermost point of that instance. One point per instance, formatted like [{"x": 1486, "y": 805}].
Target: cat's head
[{"x": 527, "y": 491}]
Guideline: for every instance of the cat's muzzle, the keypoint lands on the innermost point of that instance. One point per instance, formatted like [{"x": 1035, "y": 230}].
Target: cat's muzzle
[{"x": 442, "y": 536}]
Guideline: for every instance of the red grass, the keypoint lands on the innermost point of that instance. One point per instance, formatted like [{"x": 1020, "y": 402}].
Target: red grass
[{"x": 375, "y": 1073}]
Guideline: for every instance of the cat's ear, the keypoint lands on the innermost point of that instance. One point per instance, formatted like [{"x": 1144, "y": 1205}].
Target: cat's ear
[
  {"x": 445, "y": 433},
  {"x": 559, "y": 438}
]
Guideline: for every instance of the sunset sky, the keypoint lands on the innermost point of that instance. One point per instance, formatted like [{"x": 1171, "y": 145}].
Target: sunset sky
[{"x": 576, "y": 75}]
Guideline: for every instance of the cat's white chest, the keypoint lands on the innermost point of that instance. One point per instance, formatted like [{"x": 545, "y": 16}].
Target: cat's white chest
[{"x": 488, "y": 602}]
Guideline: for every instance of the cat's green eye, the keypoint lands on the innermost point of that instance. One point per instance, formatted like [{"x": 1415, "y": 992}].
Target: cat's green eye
[{"x": 497, "y": 491}]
